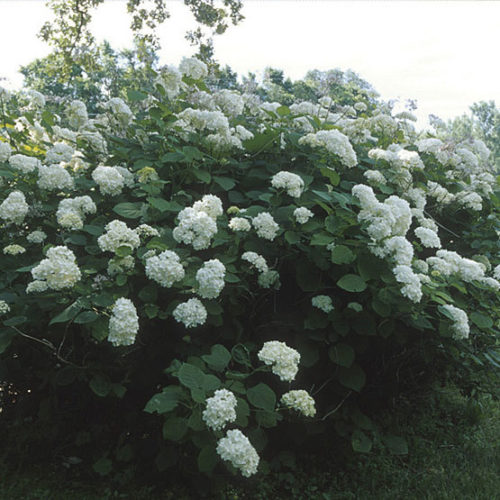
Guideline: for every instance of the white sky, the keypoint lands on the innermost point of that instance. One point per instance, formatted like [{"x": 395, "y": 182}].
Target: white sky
[{"x": 444, "y": 54}]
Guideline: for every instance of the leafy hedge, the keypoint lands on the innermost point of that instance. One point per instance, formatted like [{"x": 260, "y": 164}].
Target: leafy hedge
[{"x": 215, "y": 262}]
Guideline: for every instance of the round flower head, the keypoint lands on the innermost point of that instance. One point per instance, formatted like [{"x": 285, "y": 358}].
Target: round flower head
[
  {"x": 322, "y": 302},
  {"x": 59, "y": 270},
  {"x": 220, "y": 409},
  {"x": 302, "y": 215},
  {"x": 256, "y": 260},
  {"x": 23, "y": 163},
  {"x": 191, "y": 313},
  {"x": 164, "y": 268},
  {"x": 237, "y": 449},
  {"x": 54, "y": 178},
  {"x": 118, "y": 234},
  {"x": 239, "y": 224},
  {"x": 195, "y": 228},
  {"x": 292, "y": 183},
  {"x": 193, "y": 68},
  {"x": 13, "y": 250},
  {"x": 283, "y": 359},
  {"x": 109, "y": 179},
  {"x": 36, "y": 236},
  {"x": 124, "y": 323},
  {"x": 265, "y": 226},
  {"x": 14, "y": 208},
  {"x": 4, "y": 307},
  {"x": 5, "y": 151},
  {"x": 301, "y": 401},
  {"x": 460, "y": 321},
  {"x": 211, "y": 279}
]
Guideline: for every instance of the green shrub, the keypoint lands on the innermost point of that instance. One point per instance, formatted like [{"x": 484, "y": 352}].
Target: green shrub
[{"x": 223, "y": 263}]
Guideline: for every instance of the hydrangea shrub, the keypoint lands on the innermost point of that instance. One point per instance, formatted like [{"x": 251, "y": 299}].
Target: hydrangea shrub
[{"x": 229, "y": 265}]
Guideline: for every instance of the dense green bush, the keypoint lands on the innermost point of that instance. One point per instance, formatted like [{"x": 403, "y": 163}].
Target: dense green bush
[{"x": 215, "y": 262}]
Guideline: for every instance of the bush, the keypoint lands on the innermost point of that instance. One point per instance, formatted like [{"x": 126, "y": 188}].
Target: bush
[{"x": 230, "y": 266}]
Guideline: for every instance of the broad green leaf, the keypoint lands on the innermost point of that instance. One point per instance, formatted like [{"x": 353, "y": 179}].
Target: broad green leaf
[
  {"x": 100, "y": 384},
  {"x": 218, "y": 358},
  {"x": 191, "y": 376},
  {"x": 353, "y": 377},
  {"x": 241, "y": 355},
  {"x": 103, "y": 466},
  {"x": 86, "y": 317},
  {"x": 135, "y": 95},
  {"x": 262, "y": 396},
  {"x": 6, "y": 335},
  {"x": 342, "y": 354},
  {"x": 397, "y": 445},
  {"x": 159, "y": 203},
  {"x": 128, "y": 210},
  {"x": 292, "y": 237},
  {"x": 17, "y": 320},
  {"x": 332, "y": 176},
  {"x": 207, "y": 459},
  {"x": 342, "y": 255},
  {"x": 352, "y": 283},
  {"x": 164, "y": 401},
  {"x": 68, "y": 314},
  {"x": 321, "y": 239},
  {"x": 175, "y": 428},
  {"x": 202, "y": 175},
  {"x": 225, "y": 183},
  {"x": 481, "y": 320},
  {"x": 361, "y": 442}
]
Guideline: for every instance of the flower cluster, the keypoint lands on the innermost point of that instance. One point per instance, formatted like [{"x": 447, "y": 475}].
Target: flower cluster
[
  {"x": 164, "y": 268},
  {"x": 58, "y": 271},
  {"x": 124, "y": 323},
  {"x": 4, "y": 307},
  {"x": 193, "y": 68},
  {"x": 302, "y": 214},
  {"x": 323, "y": 302},
  {"x": 460, "y": 321},
  {"x": 117, "y": 235},
  {"x": 59, "y": 152},
  {"x": 283, "y": 359},
  {"x": 109, "y": 179},
  {"x": 292, "y": 183},
  {"x": 36, "y": 236},
  {"x": 5, "y": 151},
  {"x": 239, "y": 224},
  {"x": 77, "y": 115},
  {"x": 265, "y": 226},
  {"x": 220, "y": 409},
  {"x": 210, "y": 278},
  {"x": 256, "y": 260},
  {"x": 14, "y": 208},
  {"x": 334, "y": 142},
  {"x": 191, "y": 313},
  {"x": 54, "y": 178},
  {"x": 237, "y": 449},
  {"x": 301, "y": 401},
  {"x": 23, "y": 163},
  {"x": 14, "y": 249},
  {"x": 71, "y": 211}
]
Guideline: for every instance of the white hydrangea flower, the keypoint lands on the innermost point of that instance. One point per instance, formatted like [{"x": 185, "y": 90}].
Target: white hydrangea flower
[
  {"x": 284, "y": 360},
  {"x": 195, "y": 228},
  {"x": 5, "y": 151},
  {"x": 13, "y": 250},
  {"x": 269, "y": 279},
  {"x": 323, "y": 302},
  {"x": 292, "y": 183},
  {"x": 59, "y": 270},
  {"x": 239, "y": 224},
  {"x": 109, "y": 180},
  {"x": 23, "y": 163},
  {"x": 256, "y": 260},
  {"x": 124, "y": 323},
  {"x": 77, "y": 115},
  {"x": 496, "y": 272},
  {"x": 37, "y": 286},
  {"x": 117, "y": 235},
  {"x": 428, "y": 237},
  {"x": 220, "y": 409},
  {"x": 199, "y": 119},
  {"x": 265, "y": 226},
  {"x": 55, "y": 177},
  {"x": 193, "y": 68},
  {"x": 145, "y": 230},
  {"x": 335, "y": 142},
  {"x": 210, "y": 278},
  {"x": 128, "y": 176},
  {"x": 94, "y": 139},
  {"x": 230, "y": 102},
  {"x": 164, "y": 268},
  {"x": 237, "y": 449},
  {"x": 120, "y": 111},
  {"x": 210, "y": 204},
  {"x": 191, "y": 313},
  {"x": 14, "y": 208},
  {"x": 491, "y": 283},
  {"x": 460, "y": 321},
  {"x": 375, "y": 177},
  {"x": 302, "y": 214},
  {"x": 400, "y": 249},
  {"x": 36, "y": 236},
  {"x": 439, "y": 193},
  {"x": 36, "y": 98},
  {"x": 59, "y": 152},
  {"x": 4, "y": 307},
  {"x": 242, "y": 133},
  {"x": 412, "y": 288},
  {"x": 469, "y": 199},
  {"x": 360, "y": 106},
  {"x": 301, "y": 401},
  {"x": 421, "y": 266},
  {"x": 71, "y": 211},
  {"x": 171, "y": 80}
]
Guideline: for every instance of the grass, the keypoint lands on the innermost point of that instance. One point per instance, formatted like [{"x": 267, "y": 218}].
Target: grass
[{"x": 454, "y": 453}]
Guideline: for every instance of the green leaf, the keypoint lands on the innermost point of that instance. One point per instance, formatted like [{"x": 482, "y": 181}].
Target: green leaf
[
  {"x": 86, "y": 317},
  {"x": 241, "y": 355},
  {"x": 283, "y": 111},
  {"x": 100, "y": 384},
  {"x": 93, "y": 230},
  {"x": 207, "y": 459},
  {"x": 292, "y": 237},
  {"x": 361, "y": 442},
  {"x": 342, "y": 354},
  {"x": 175, "y": 428},
  {"x": 353, "y": 377},
  {"x": 342, "y": 255},
  {"x": 352, "y": 283},
  {"x": 128, "y": 210},
  {"x": 16, "y": 320},
  {"x": 149, "y": 293},
  {"x": 202, "y": 175},
  {"x": 191, "y": 376},
  {"x": 6, "y": 336},
  {"x": 219, "y": 357},
  {"x": 242, "y": 413},
  {"x": 123, "y": 251},
  {"x": 135, "y": 95},
  {"x": 103, "y": 466},
  {"x": 159, "y": 203},
  {"x": 397, "y": 445},
  {"x": 321, "y": 239},
  {"x": 164, "y": 401},
  {"x": 68, "y": 314},
  {"x": 481, "y": 320},
  {"x": 332, "y": 176},
  {"x": 262, "y": 396},
  {"x": 225, "y": 183}
]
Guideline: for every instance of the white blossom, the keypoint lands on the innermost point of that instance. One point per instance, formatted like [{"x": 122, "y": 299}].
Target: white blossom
[
  {"x": 124, "y": 323},
  {"x": 292, "y": 183},
  {"x": 237, "y": 449},
  {"x": 220, "y": 409},
  {"x": 210, "y": 278},
  {"x": 323, "y": 302},
  {"x": 14, "y": 208},
  {"x": 284, "y": 360},
  {"x": 460, "y": 321},
  {"x": 302, "y": 214},
  {"x": 301, "y": 401},
  {"x": 191, "y": 313},
  {"x": 265, "y": 226},
  {"x": 59, "y": 270},
  {"x": 118, "y": 234}
]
